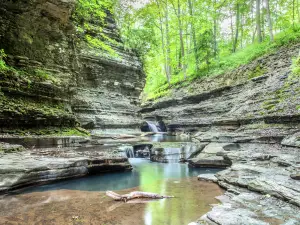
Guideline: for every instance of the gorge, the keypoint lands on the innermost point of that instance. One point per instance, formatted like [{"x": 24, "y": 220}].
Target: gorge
[{"x": 74, "y": 123}]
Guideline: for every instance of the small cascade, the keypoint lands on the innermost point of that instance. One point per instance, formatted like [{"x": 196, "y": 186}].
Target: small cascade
[
  {"x": 188, "y": 150},
  {"x": 152, "y": 126},
  {"x": 172, "y": 155},
  {"x": 129, "y": 153}
]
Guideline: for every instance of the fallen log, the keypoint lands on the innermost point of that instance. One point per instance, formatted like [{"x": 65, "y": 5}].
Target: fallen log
[{"x": 135, "y": 194}]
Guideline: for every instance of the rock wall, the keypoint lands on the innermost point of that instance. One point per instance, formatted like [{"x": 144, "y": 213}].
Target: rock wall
[
  {"x": 235, "y": 100},
  {"x": 59, "y": 70},
  {"x": 249, "y": 120}
]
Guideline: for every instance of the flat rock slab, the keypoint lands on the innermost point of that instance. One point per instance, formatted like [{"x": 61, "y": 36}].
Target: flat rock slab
[
  {"x": 251, "y": 208},
  {"x": 208, "y": 177},
  {"x": 45, "y": 165},
  {"x": 213, "y": 156}
]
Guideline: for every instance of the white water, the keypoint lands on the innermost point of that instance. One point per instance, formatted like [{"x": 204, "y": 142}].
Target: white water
[
  {"x": 129, "y": 152},
  {"x": 152, "y": 126}
]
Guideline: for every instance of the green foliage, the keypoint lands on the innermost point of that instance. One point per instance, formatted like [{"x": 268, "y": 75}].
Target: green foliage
[
  {"x": 97, "y": 43},
  {"x": 3, "y": 66},
  {"x": 43, "y": 75},
  {"x": 214, "y": 39},
  {"x": 91, "y": 12},
  {"x": 159, "y": 86},
  {"x": 296, "y": 67}
]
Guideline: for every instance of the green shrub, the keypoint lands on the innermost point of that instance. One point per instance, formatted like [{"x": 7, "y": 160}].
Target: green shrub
[
  {"x": 227, "y": 62},
  {"x": 3, "y": 66}
]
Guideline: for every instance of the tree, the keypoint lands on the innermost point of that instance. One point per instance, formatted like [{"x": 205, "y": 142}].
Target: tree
[
  {"x": 191, "y": 12},
  {"x": 269, "y": 21},
  {"x": 181, "y": 39},
  {"x": 258, "y": 21},
  {"x": 237, "y": 24}
]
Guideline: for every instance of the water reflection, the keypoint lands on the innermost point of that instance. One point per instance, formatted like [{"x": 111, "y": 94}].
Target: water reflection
[
  {"x": 168, "y": 138},
  {"x": 181, "y": 209},
  {"x": 193, "y": 198},
  {"x": 144, "y": 173}
]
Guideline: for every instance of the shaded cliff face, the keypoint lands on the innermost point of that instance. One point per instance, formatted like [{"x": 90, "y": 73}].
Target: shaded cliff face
[{"x": 58, "y": 70}]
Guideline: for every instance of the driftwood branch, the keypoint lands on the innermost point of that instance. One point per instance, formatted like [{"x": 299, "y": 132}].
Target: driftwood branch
[{"x": 135, "y": 194}]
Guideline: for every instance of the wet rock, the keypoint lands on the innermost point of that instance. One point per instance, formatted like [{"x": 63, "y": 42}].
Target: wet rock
[
  {"x": 47, "y": 165},
  {"x": 208, "y": 177}
]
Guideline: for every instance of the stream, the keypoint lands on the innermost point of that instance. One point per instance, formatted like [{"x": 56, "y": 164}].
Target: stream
[{"x": 83, "y": 200}]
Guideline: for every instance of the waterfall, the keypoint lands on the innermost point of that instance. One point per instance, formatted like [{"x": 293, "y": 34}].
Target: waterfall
[
  {"x": 172, "y": 155},
  {"x": 188, "y": 150},
  {"x": 129, "y": 153},
  {"x": 152, "y": 126}
]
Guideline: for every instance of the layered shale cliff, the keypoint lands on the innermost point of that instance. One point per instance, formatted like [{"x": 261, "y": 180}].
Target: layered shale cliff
[
  {"x": 248, "y": 121},
  {"x": 60, "y": 75}
]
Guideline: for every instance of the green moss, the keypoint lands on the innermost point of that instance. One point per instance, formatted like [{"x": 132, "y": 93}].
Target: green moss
[
  {"x": 296, "y": 67},
  {"x": 3, "y": 66},
  {"x": 257, "y": 72},
  {"x": 158, "y": 94},
  {"x": 263, "y": 125},
  {"x": 90, "y": 18},
  {"x": 49, "y": 131},
  {"x": 298, "y": 107},
  {"x": 95, "y": 42},
  {"x": 270, "y": 105},
  {"x": 25, "y": 106}
]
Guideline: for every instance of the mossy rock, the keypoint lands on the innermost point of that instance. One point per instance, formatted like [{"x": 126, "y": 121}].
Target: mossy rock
[
  {"x": 8, "y": 148},
  {"x": 257, "y": 72}
]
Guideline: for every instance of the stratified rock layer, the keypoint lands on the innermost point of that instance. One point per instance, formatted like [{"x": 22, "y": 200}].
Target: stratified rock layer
[
  {"x": 101, "y": 89},
  {"x": 252, "y": 127},
  {"x": 25, "y": 168}
]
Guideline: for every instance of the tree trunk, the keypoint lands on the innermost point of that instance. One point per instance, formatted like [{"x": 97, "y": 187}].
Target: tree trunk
[
  {"x": 269, "y": 21},
  {"x": 258, "y": 22},
  {"x": 194, "y": 35},
  {"x": 163, "y": 43},
  {"x": 298, "y": 12},
  {"x": 181, "y": 40},
  {"x": 169, "y": 69},
  {"x": 135, "y": 194},
  {"x": 242, "y": 30},
  {"x": 293, "y": 13},
  {"x": 215, "y": 43},
  {"x": 237, "y": 24},
  {"x": 231, "y": 27}
]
